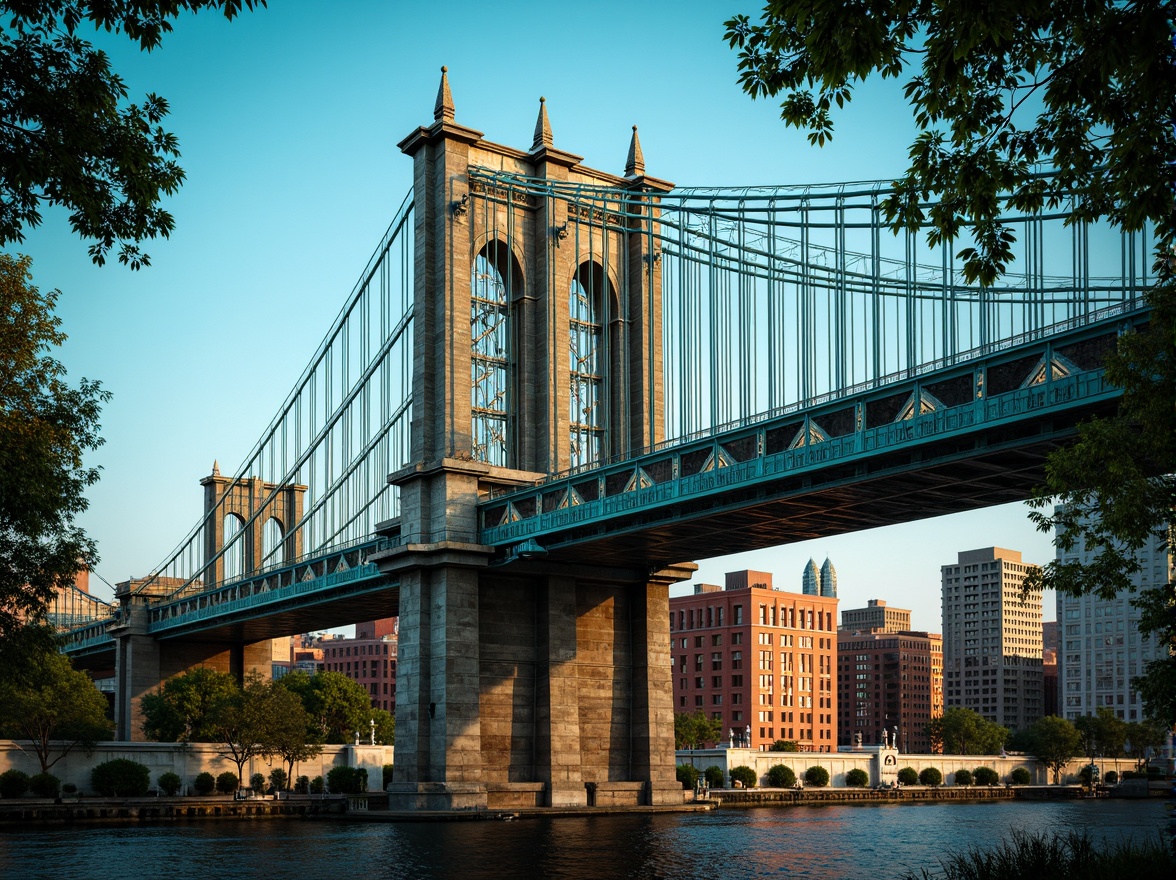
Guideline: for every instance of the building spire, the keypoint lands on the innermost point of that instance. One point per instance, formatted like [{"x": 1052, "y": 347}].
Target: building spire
[
  {"x": 635, "y": 163},
  {"x": 215, "y": 468},
  {"x": 443, "y": 110},
  {"x": 542, "y": 128}
]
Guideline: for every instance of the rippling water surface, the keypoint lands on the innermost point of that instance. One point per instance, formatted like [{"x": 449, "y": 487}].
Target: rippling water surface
[{"x": 860, "y": 841}]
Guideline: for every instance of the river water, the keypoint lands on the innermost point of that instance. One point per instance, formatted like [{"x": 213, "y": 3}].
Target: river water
[{"x": 860, "y": 841}]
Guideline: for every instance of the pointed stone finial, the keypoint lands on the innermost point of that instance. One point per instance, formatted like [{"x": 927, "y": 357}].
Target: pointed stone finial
[
  {"x": 443, "y": 110},
  {"x": 635, "y": 164},
  {"x": 542, "y": 128},
  {"x": 215, "y": 468}
]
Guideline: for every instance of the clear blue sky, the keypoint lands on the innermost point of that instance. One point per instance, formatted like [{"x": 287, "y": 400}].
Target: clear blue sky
[{"x": 288, "y": 121}]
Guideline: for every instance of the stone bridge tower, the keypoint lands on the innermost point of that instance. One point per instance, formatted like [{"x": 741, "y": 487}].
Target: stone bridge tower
[{"x": 537, "y": 348}]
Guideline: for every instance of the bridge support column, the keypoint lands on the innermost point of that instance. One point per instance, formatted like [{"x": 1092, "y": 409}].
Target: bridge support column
[{"x": 557, "y": 715}]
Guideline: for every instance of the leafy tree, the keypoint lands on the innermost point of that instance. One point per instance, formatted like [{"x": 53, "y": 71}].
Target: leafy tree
[
  {"x": 338, "y": 705},
  {"x": 745, "y": 775},
  {"x": 908, "y": 776},
  {"x": 386, "y": 776},
  {"x": 1144, "y": 738},
  {"x": 781, "y": 776},
  {"x": 385, "y": 726},
  {"x": 1000, "y": 91},
  {"x": 185, "y": 708},
  {"x": 121, "y": 777},
  {"x": 687, "y": 775},
  {"x": 169, "y": 783},
  {"x": 1103, "y": 733},
  {"x": 279, "y": 779},
  {"x": 46, "y": 427},
  {"x": 784, "y": 745},
  {"x": 930, "y": 776},
  {"x": 239, "y": 723},
  {"x": 1020, "y": 776},
  {"x": 964, "y": 732},
  {"x": 204, "y": 783},
  {"x": 1055, "y": 741},
  {"x": 257, "y": 783},
  {"x": 347, "y": 780},
  {"x": 289, "y": 732},
  {"x": 695, "y": 730},
  {"x": 857, "y": 777},
  {"x": 316, "y": 785},
  {"x": 53, "y": 705},
  {"x": 68, "y": 135}
]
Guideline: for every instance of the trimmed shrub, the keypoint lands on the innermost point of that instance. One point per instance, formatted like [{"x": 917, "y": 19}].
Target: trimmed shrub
[
  {"x": 257, "y": 783},
  {"x": 745, "y": 775},
  {"x": 986, "y": 776},
  {"x": 227, "y": 782},
  {"x": 347, "y": 780},
  {"x": 687, "y": 775},
  {"x": 1112, "y": 778},
  {"x": 817, "y": 777},
  {"x": 963, "y": 777},
  {"x": 13, "y": 783},
  {"x": 780, "y": 776},
  {"x": 278, "y": 779},
  {"x": 302, "y": 785},
  {"x": 204, "y": 783},
  {"x": 1020, "y": 776},
  {"x": 784, "y": 745},
  {"x": 121, "y": 778},
  {"x": 857, "y": 777},
  {"x": 69, "y": 788},
  {"x": 316, "y": 785},
  {"x": 713, "y": 776},
  {"x": 387, "y": 776},
  {"x": 908, "y": 776},
  {"x": 45, "y": 785},
  {"x": 931, "y": 776},
  {"x": 169, "y": 783}
]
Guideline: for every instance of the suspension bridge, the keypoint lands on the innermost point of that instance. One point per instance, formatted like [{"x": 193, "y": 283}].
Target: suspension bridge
[{"x": 551, "y": 387}]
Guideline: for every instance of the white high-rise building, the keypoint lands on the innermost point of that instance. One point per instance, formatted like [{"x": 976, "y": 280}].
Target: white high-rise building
[
  {"x": 992, "y": 638},
  {"x": 1100, "y": 646}
]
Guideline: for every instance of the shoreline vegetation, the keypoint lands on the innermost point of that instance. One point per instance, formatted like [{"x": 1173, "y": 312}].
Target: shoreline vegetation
[{"x": 1071, "y": 855}]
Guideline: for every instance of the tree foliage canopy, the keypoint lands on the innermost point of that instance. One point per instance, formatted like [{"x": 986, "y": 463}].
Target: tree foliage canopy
[
  {"x": 1002, "y": 92},
  {"x": 1055, "y": 741},
  {"x": 46, "y": 426},
  {"x": 964, "y": 732},
  {"x": 338, "y": 705},
  {"x": 69, "y": 136},
  {"x": 187, "y": 708},
  {"x": 696, "y": 730},
  {"x": 56, "y": 707}
]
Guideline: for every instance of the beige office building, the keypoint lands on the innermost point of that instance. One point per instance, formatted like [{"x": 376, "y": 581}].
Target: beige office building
[{"x": 992, "y": 638}]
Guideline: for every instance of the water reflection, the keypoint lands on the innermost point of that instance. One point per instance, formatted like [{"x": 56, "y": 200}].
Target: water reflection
[{"x": 826, "y": 842}]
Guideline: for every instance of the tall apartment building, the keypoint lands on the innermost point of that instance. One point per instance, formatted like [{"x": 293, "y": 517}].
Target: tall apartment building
[
  {"x": 369, "y": 658},
  {"x": 992, "y": 638},
  {"x": 759, "y": 659},
  {"x": 885, "y": 681},
  {"x": 819, "y": 583},
  {"x": 1101, "y": 646},
  {"x": 888, "y": 676}
]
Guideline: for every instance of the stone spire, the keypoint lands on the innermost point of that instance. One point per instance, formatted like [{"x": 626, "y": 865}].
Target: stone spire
[
  {"x": 635, "y": 164},
  {"x": 542, "y": 129},
  {"x": 215, "y": 468},
  {"x": 443, "y": 110}
]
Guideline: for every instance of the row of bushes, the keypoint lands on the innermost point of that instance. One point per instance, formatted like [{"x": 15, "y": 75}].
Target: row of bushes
[
  {"x": 125, "y": 778},
  {"x": 780, "y": 776}
]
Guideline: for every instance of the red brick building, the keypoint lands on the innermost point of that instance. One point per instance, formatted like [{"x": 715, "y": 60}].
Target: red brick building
[
  {"x": 758, "y": 659},
  {"x": 369, "y": 659}
]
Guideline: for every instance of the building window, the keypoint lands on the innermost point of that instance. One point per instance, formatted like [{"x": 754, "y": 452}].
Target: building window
[
  {"x": 586, "y": 400},
  {"x": 494, "y": 277}
]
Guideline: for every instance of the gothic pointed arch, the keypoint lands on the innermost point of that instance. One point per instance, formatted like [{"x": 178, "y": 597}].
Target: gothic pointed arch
[
  {"x": 497, "y": 280},
  {"x": 590, "y": 296}
]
